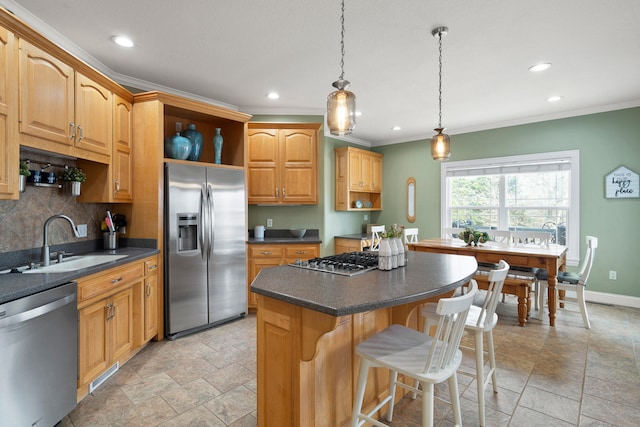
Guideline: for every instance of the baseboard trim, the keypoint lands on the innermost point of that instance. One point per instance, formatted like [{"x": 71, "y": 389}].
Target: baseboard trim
[{"x": 614, "y": 299}]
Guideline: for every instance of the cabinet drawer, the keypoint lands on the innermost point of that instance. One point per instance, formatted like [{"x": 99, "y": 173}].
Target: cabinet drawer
[
  {"x": 151, "y": 266},
  {"x": 301, "y": 251},
  {"x": 266, "y": 251},
  {"x": 102, "y": 282}
]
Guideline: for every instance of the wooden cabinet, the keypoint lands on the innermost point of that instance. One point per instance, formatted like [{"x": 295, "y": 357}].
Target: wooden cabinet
[
  {"x": 342, "y": 245},
  {"x": 150, "y": 299},
  {"x": 108, "y": 313},
  {"x": 9, "y": 148},
  {"x": 113, "y": 182},
  {"x": 272, "y": 255},
  {"x": 282, "y": 163},
  {"x": 61, "y": 109},
  {"x": 358, "y": 178}
]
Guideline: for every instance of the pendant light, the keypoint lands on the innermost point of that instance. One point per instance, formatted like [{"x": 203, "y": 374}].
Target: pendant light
[
  {"x": 341, "y": 104},
  {"x": 440, "y": 143}
]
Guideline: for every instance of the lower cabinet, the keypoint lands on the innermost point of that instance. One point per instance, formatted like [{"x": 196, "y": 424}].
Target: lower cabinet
[
  {"x": 342, "y": 245},
  {"x": 272, "y": 255},
  {"x": 117, "y": 315},
  {"x": 105, "y": 334}
]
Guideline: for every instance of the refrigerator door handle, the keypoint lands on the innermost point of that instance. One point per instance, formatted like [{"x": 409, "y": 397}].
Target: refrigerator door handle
[
  {"x": 201, "y": 216},
  {"x": 210, "y": 222}
]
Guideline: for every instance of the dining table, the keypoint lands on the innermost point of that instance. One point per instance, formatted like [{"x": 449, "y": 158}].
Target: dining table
[{"x": 552, "y": 257}]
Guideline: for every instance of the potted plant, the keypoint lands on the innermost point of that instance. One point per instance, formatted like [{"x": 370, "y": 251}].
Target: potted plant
[
  {"x": 24, "y": 173},
  {"x": 73, "y": 177}
]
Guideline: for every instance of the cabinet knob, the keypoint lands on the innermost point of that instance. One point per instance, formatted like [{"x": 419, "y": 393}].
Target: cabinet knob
[
  {"x": 276, "y": 192},
  {"x": 284, "y": 195},
  {"x": 119, "y": 279},
  {"x": 80, "y": 133},
  {"x": 153, "y": 267},
  {"x": 266, "y": 253},
  {"x": 72, "y": 130}
]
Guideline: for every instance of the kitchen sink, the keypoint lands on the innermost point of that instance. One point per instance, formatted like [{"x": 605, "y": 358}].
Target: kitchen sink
[{"x": 75, "y": 263}]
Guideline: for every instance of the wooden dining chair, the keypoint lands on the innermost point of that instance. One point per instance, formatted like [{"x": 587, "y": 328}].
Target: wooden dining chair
[
  {"x": 480, "y": 321},
  {"x": 451, "y": 233},
  {"x": 572, "y": 281},
  {"x": 410, "y": 235},
  {"x": 376, "y": 231},
  {"x": 425, "y": 359},
  {"x": 530, "y": 238}
]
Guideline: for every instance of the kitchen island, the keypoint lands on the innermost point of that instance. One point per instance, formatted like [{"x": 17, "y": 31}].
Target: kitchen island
[{"x": 310, "y": 322}]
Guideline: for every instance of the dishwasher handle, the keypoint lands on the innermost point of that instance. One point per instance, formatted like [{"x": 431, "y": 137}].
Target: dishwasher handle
[{"x": 36, "y": 312}]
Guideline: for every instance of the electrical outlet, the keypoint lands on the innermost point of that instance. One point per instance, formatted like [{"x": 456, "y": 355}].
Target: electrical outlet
[
  {"x": 613, "y": 275},
  {"x": 366, "y": 217},
  {"x": 269, "y": 222},
  {"x": 82, "y": 230}
]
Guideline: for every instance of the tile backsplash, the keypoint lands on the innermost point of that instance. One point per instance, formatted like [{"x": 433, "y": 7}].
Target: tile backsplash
[{"x": 22, "y": 221}]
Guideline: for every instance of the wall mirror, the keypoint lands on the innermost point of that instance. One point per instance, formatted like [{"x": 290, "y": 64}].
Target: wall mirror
[{"x": 411, "y": 199}]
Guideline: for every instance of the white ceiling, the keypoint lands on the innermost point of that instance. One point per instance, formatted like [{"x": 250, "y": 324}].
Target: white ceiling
[{"x": 234, "y": 52}]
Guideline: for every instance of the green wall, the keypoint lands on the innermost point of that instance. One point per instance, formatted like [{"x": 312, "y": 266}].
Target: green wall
[{"x": 605, "y": 140}]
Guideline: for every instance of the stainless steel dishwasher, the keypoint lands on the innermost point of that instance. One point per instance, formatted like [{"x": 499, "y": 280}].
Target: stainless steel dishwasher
[{"x": 39, "y": 357}]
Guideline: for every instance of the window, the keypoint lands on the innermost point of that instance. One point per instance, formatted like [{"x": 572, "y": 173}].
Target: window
[{"x": 530, "y": 192}]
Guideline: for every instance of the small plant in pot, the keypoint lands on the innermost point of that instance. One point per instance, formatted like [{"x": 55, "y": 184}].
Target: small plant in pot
[
  {"x": 73, "y": 177},
  {"x": 24, "y": 173}
]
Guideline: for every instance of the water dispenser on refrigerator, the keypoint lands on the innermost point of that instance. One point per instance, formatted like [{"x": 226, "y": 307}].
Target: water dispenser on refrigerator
[{"x": 187, "y": 232}]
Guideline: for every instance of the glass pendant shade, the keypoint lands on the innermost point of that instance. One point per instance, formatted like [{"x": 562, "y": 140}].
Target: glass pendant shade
[
  {"x": 440, "y": 145},
  {"x": 341, "y": 110}
]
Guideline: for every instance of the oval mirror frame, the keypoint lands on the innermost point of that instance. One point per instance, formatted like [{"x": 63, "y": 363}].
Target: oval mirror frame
[{"x": 411, "y": 199}]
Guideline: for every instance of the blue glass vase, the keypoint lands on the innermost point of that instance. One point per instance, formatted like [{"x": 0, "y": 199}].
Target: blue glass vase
[
  {"x": 196, "y": 141},
  {"x": 177, "y": 147},
  {"x": 217, "y": 146}
]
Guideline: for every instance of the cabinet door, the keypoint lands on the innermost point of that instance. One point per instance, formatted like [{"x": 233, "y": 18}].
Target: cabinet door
[
  {"x": 355, "y": 170},
  {"x": 121, "y": 160},
  {"x": 121, "y": 324},
  {"x": 150, "y": 307},
  {"x": 376, "y": 174},
  {"x": 298, "y": 160},
  {"x": 46, "y": 96},
  {"x": 262, "y": 162},
  {"x": 9, "y": 148},
  {"x": 255, "y": 265},
  {"x": 93, "y": 355},
  {"x": 93, "y": 114},
  {"x": 365, "y": 172}
]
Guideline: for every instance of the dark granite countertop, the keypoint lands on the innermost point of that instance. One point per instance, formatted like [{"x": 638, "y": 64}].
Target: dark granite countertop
[
  {"x": 358, "y": 236},
  {"x": 17, "y": 285},
  {"x": 273, "y": 236},
  {"x": 426, "y": 275}
]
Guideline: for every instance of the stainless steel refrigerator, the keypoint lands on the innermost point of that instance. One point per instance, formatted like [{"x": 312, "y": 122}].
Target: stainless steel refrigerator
[{"x": 205, "y": 252}]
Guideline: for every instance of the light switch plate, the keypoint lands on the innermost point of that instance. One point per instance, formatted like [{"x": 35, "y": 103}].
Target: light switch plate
[{"x": 82, "y": 230}]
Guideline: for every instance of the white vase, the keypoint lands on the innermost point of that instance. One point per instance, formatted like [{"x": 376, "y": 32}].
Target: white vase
[
  {"x": 384, "y": 255},
  {"x": 394, "y": 253},
  {"x": 402, "y": 259}
]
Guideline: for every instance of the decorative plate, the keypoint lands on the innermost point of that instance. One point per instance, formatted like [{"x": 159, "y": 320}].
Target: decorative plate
[
  {"x": 358, "y": 203},
  {"x": 367, "y": 204}
]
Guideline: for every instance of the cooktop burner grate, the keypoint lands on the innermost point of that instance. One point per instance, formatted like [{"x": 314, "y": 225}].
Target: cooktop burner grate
[{"x": 346, "y": 264}]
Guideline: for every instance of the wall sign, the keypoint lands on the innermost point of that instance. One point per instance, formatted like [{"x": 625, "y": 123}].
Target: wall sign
[{"x": 621, "y": 183}]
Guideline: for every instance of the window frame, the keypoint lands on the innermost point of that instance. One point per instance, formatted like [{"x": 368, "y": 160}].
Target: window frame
[{"x": 572, "y": 157}]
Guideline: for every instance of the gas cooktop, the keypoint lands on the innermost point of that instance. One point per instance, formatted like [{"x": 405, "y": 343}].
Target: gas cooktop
[{"x": 347, "y": 264}]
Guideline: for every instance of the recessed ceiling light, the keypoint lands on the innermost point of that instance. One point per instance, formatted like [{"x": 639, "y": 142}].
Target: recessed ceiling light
[
  {"x": 396, "y": 128},
  {"x": 273, "y": 95},
  {"x": 540, "y": 67},
  {"x": 554, "y": 98},
  {"x": 358, "y": 113},
  {"x": 123, "y": 41}
]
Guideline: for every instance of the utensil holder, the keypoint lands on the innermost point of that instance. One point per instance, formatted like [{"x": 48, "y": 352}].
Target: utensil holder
[{"x": 110, "y": 240}]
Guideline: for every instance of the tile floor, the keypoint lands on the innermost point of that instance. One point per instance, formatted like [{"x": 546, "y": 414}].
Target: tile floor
[{"x": 550, "y": 377}]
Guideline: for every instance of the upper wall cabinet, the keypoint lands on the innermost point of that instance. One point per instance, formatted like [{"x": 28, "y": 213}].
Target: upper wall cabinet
[
  {"x": 358, "y": 179},
  {"x": 113, "y": 183},
  {"x": 9, "y": 151},
  {"x": 62, "y": 110},
  {"x": 282, "y": 163}
]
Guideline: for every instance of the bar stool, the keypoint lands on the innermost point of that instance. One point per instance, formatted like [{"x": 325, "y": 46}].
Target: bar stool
[
  {"x": 428, "y": 360},
  {"x": 480, "y": 320}
]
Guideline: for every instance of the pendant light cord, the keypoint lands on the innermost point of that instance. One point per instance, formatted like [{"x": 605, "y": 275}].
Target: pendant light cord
[
  {"x": 342, "y": 43},
  {"x": 440, "y": 85}
]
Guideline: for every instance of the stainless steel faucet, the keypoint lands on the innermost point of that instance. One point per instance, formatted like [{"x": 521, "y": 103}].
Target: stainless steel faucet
[{"x": 45, "y": 243}]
